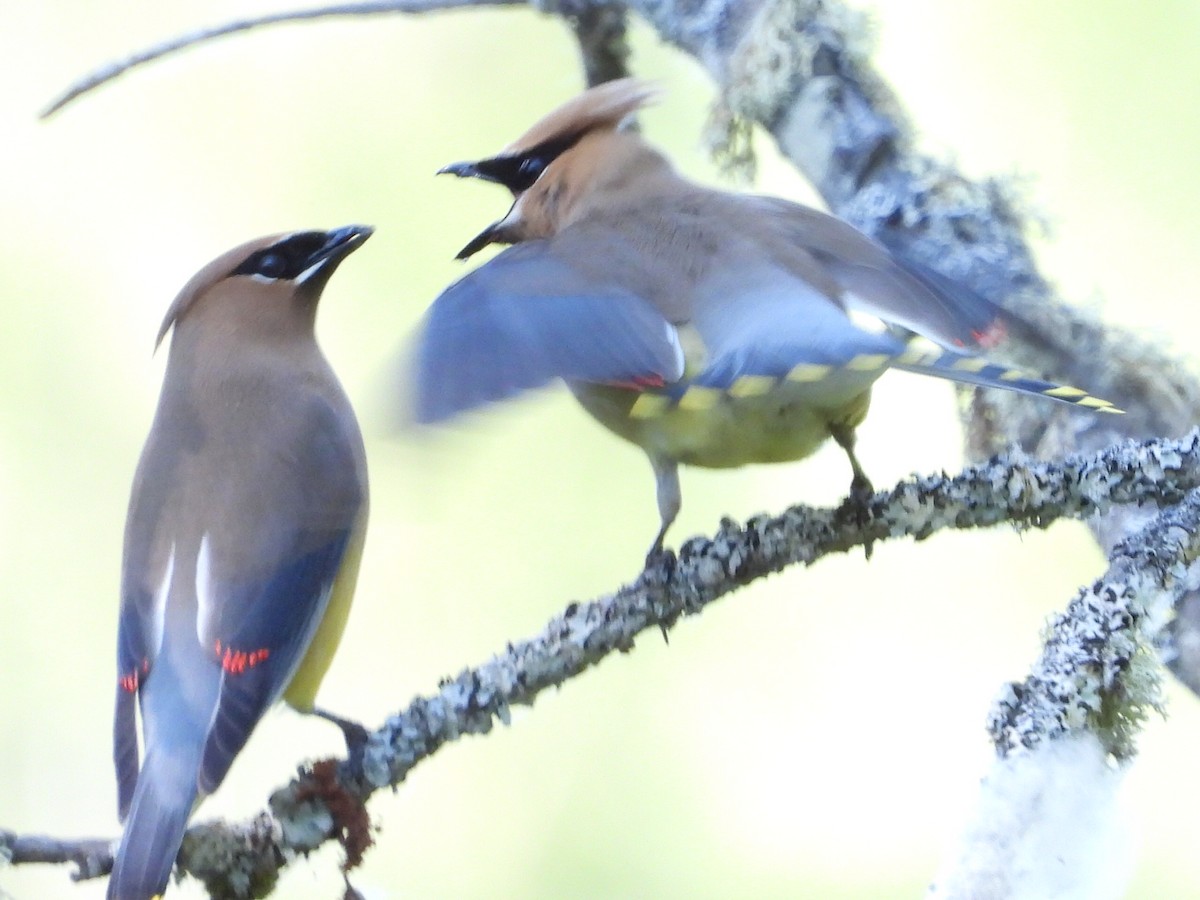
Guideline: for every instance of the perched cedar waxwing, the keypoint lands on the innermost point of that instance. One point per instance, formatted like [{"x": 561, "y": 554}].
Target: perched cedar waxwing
[
  {"x": 709, "y": 328},
  {"x": 243, "y": 539}
]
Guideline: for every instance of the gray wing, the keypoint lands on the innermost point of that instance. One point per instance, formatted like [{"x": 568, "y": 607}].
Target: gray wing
[
  {"x": 878, "y": 282},
  {"x": 770, "y": 327},
  {"x": 266, "y": 607},
  {"x": 770, "y": 322},
  {"x": 227, "y": 573}
]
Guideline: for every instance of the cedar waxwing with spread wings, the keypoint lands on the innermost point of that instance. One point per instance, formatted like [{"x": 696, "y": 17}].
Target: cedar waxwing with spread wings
[{"x": 709, "y": 328}]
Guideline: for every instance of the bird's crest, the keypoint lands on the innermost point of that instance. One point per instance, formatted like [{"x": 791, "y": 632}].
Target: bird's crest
[
  {"x": 216, "y": 270},
  {"x": 607, "y": 105}
]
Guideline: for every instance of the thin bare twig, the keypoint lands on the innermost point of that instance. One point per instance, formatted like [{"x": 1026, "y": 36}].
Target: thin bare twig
[
  {"x": 92, "y": 857},
  {"x": 112, "y": 70}
]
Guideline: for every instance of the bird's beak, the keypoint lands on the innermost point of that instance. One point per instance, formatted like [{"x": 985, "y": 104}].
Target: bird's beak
[
  {"x": 485, "y": 169},
  {"x": 339, "y": 244},
  {"x": 499, "y": 170},
  {"x": 461, "y": 169},
  {"x": 490, "y": 235}
]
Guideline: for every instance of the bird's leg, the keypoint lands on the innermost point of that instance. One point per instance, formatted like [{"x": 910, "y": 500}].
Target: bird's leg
[
  {"x": 860, "y": 485},
  {"x": 861, "y": 489},
  {"x": 354, "y": 734},
  {"x": 666, "y": 482}
]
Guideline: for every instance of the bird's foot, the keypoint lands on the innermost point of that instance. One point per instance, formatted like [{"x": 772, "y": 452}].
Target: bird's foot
[
  {"x": 858, "y": 507},
  {"x": 354, "y": 734},
  {"x": 658, "y": 557},
  {"x": 660, "y": 560}
]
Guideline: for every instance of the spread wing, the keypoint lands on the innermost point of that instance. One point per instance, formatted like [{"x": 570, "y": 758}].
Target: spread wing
[
  {"x": 529, "y": 316},
  {"x": 714, "y": 291}
]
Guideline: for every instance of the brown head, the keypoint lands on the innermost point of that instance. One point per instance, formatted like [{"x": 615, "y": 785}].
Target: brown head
[
  {"x": 265, "y": 288},
  {"x": 556, "y": 166}
]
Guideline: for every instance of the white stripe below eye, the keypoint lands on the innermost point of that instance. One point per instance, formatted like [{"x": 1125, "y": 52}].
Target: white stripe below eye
[
  {"x": 263, "y": 279},
  {"x": 205, "y": 606},
  {"x": 310, "y": 271},
  {"x": 160, "y": 601}
]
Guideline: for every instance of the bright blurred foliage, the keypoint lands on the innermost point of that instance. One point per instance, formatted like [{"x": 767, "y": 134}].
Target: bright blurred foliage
[{"x": 820, "y": 735}]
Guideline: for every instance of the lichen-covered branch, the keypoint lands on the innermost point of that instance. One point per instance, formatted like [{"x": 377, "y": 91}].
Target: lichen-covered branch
[
  {"x": 325, "y": 801},
  {"x": 601, "y": 32},
  {"x": 1047, "y": 812},
  {"x": 1098, "y": 671}
]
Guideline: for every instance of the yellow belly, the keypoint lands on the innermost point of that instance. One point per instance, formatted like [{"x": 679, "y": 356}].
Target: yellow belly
[
  {"x": 301, "y": 692},
  {"x": 719, "y": 430}
]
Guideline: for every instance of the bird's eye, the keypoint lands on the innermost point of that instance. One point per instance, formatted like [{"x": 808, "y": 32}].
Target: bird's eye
[
  {"x": 286, "y": 259},
  {"x": 270, "y": 265},
  {"x": 531, "y": 166}
]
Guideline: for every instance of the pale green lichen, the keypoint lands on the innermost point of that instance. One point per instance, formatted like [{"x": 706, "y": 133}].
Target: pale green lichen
[
  {"x": 786, "y": 46},
  {"x": 1098, "y": 671},
  {"x": 729, "y": 139},
  {"x": 233, "y": 861}
]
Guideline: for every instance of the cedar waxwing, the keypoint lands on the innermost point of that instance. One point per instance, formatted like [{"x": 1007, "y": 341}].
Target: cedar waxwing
[
  {"x": 242, "y": 543},
  {"x": 707, "y": 327}
]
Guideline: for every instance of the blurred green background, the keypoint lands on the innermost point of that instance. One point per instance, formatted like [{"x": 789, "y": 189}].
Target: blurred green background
[{"x": 819, "y": 735}]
